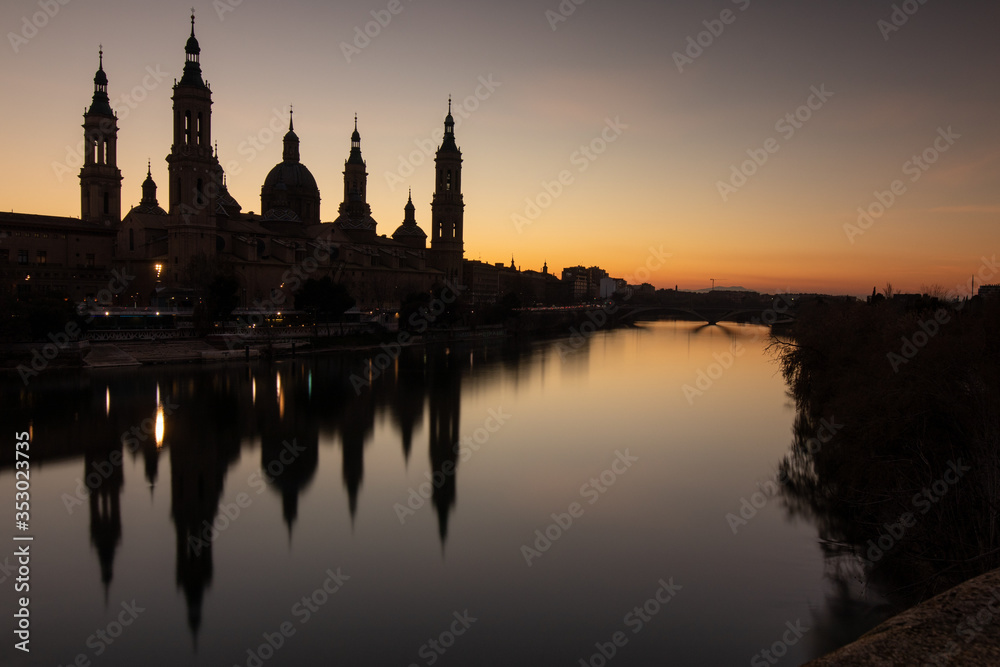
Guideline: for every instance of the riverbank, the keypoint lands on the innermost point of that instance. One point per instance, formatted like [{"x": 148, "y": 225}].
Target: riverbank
[
  {"x": 958, "y": 627},
  {"x": 29, "y": 360}
]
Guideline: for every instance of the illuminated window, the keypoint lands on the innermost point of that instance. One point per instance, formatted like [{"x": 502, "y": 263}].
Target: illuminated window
[{"x": 41, "y": 256}]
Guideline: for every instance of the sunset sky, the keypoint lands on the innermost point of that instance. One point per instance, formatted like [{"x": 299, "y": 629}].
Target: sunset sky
[{"x": 664, "y": 131}]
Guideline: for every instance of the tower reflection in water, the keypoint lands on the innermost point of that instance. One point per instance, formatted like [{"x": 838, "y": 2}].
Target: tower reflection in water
[{"x": 202, "y": 421}]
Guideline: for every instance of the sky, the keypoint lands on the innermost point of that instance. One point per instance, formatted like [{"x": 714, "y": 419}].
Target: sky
[{"x": 790, "y": 145}]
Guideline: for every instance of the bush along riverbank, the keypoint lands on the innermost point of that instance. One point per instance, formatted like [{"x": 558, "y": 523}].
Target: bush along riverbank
[{"x": 906, "y": 494}]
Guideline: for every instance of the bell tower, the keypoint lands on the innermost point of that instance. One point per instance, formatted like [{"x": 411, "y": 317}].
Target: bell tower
[
  {"x": 192, "y": 166},
  {"x": 447, "y": 207},
  {"x": 100, "y": 178}
]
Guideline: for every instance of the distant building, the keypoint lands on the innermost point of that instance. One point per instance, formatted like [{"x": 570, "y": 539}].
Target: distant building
[
  {"x": 585, "y": 282},
  {"x": 989, "y": 291},
  {"x": 46, "y": 253},
  {"x": 611, "y": 286}
]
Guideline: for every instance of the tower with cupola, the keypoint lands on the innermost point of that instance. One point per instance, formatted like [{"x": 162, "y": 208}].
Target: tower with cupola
[
  {"x": 447, "y": 207},
  {"x": 192, "y": 165},
  {"x": 100, "y": 178}
]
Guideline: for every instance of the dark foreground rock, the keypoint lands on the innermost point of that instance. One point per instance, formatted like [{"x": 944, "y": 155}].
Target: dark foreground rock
[{"x": 958, "y": 627}]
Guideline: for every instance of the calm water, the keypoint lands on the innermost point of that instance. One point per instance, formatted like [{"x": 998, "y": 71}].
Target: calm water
[{"x": 206, "y": 555}]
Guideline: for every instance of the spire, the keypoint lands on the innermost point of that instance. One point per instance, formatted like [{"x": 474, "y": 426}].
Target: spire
[
  {"x": 291, "y": 151},
  {"x": 100, "y": 104},
  {"x": 355, "y": 156},
  {"x": 291, "y": 125},
  {"x": 409, "y": 212},
  {"x": 149, "y": 187},
  {"x": 449, "y": 130},
  {"x": 192, "y": 65}
]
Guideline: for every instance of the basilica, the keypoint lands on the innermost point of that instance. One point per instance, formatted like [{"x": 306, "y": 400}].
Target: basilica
[{"x": 169, "y": 250}]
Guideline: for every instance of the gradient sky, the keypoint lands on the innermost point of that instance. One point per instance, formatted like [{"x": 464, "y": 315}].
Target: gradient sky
[{"x": 656, "y": 185}]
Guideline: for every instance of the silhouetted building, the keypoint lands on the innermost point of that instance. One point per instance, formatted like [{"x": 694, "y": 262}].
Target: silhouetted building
[{"x": 167, "y": 248}]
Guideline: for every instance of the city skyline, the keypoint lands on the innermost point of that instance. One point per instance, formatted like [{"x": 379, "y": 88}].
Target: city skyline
[{"x": 749, "y": 171}]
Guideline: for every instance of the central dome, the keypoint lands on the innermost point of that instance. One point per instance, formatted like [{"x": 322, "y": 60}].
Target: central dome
[{"x": 293, "y": 175}]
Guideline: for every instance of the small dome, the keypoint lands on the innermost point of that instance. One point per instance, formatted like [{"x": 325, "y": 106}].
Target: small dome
[
  {"x": 101, "y": 79},
  {"x": 192, "y": 46},
  {"x": 409, "y": 230}
]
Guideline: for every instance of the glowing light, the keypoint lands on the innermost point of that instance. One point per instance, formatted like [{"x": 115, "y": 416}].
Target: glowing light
[
  {"x": 157, "y": 393},
  {"x": 159, "y": 426},
  {"x": 107, "y": 401},
  {"x": 281, "y": 398},
  {"x": 253, "y": 391},
  {"x": 159, "y": 269}
]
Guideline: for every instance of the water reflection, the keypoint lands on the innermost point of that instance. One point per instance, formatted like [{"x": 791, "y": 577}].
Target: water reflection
[
  {"x": 199, "y": 436},
  {"x": 203, "y": 421}
]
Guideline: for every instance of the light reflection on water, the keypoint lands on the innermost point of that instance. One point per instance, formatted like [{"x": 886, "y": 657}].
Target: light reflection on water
[{"x": 236, "y": 511}]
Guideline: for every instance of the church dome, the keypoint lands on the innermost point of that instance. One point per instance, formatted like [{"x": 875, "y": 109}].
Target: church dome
[{"x": 292, "y": 174}]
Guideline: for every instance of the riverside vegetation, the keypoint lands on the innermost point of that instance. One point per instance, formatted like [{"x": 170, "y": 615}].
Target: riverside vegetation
[{"x": 907, "y": 495}]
